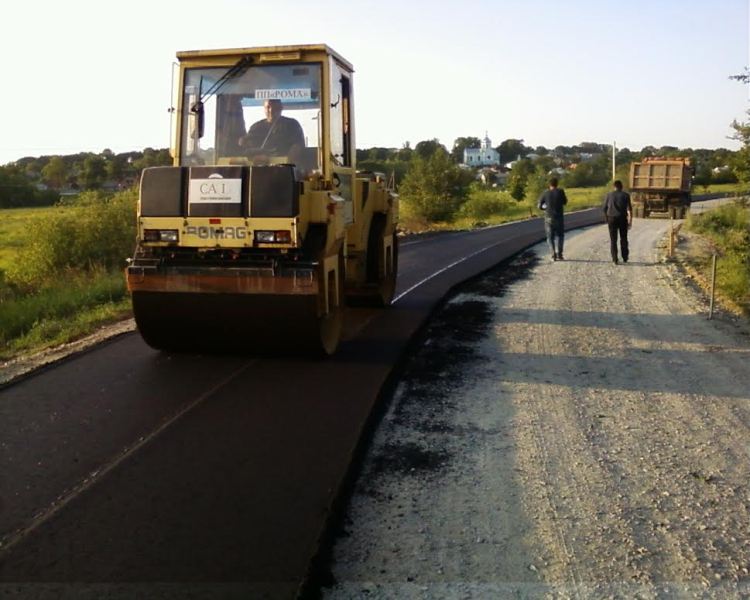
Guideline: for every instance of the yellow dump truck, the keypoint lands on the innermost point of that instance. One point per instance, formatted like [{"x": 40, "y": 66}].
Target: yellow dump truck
[
  {"x": 661, "y": 187},
  {"x": 263, "y": 230}
]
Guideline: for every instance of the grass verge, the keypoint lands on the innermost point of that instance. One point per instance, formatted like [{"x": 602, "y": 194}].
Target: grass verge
[
  {"x": 61, "y": 312},
  {"x": 727, "y": 232},
  {"x": 496, "y": 207}
]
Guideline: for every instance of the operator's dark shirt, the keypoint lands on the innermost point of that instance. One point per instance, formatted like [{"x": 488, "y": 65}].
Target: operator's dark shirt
[
  {"x": 275, "y": 138},
  {"x": 616, "y": 205},
  {"x": 552, "y": 202}
]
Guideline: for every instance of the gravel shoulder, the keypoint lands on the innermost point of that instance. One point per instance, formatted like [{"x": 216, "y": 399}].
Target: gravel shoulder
[
  {"x": 26, "y": 364},
  {"x": 582, "y": 431}
]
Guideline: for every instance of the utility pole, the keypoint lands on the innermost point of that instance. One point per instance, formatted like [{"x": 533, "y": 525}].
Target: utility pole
[{"x": 614, "y": 152}]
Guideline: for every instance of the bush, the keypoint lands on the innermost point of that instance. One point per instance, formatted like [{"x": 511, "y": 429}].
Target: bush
[
  {"x": 435, "y": 188},
  {"x": 483, "y": 203},
  {"x": 724, "y": 219},
  {"x": 96, "y": 231}
]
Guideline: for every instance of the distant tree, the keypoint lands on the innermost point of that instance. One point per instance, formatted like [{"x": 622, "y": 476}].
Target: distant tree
[
  {"x": 93, "y": 172},
  {"x": 406, "y": 152},
  {"x": 518, "y": 178},
  {"x": 152, "y": 158},
  {"x": 427, "y": 148},
  {"x": 545, "y": 163},
  {"x": 16, "y": 190},
  {"x": 435, "y": 187},
  {"x": 457, "y": 153},
  {"x": 624, "y": 155},
  {"x": 702, "y": 174},
  {"x": 670, "y": 151},
  {"x": 115, "y": 168},
  {"x": 590, "y": 173},
  {"x": 743, "y": 77},
  {"x": 378, "y": 154},
  {"x": 591, "y": 148},
  {"x": 741, "y": 160},
  {"x": 55, "y": 172},
  {"x": 512, "y": 149},
  {"x": 33, "y": 168},
  {"x": 536, "y": 182}
]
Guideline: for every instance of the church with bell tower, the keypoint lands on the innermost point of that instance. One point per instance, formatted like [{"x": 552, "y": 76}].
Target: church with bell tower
[{"x": 485, "y": 156}]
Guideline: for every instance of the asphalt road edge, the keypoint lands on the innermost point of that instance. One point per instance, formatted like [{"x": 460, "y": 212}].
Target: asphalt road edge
[{"x": 319, "y": 574}]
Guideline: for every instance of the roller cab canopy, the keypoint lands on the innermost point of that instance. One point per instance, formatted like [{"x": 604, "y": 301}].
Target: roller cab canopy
[{"x": 223, "y": 99}]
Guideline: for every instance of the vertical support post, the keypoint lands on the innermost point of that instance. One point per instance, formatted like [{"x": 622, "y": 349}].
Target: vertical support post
[
  {"x": 713, "y": 288},
  {"x": 614, "y": 153},
  {"x": 671, "y": 235}
]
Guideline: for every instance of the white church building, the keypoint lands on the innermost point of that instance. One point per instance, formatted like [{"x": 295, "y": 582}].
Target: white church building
[{"x": 485, "y": 156}]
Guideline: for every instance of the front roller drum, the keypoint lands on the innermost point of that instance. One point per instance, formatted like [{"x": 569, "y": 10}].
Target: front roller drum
[
  {"x": 236, "y": 323},
  {"x": 189, "y": 313}
]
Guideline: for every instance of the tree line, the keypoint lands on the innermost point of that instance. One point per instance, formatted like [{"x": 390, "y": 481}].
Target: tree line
[
  {"x": 435, "y": 184},
  {"x": 40, "y": 181},
  {"x": 35, "y": 181}
]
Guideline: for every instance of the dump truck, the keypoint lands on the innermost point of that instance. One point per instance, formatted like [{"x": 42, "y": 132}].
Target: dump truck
[
  {"x": 660, "y": 187},
  {"x": 262, "y": 231}
]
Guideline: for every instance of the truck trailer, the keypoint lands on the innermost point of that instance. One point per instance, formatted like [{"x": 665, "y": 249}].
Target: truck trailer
[{"x": 660, "y": 187}]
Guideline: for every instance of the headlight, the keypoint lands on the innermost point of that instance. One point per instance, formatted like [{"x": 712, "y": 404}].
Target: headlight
[
  {"x": 273, "y": 237},
  {"x": 160, "y": 235}
]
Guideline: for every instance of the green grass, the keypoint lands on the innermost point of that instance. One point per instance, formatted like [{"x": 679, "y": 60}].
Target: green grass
[
  {"x": 14, "y": 231},
  {"x": 68, "y": 301},
  {"x": 728, "y": 229},
  {"x": 61, "y": 312},
  {"x": 507, "y": 210},
  {"x": 721, "y": 188},
  {"x": 61, "y": 270}
]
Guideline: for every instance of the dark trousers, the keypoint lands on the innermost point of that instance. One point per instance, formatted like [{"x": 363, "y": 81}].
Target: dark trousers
[
  {"x": 555, "y": 229},
  {"x": 618, "y": 224}
]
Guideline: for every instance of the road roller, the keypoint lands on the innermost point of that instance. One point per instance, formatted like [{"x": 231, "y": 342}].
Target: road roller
[{"x": 263, "y": 230}]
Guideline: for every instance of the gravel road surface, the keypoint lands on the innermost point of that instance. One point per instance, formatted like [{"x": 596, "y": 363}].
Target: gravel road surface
[{"x": 579, "y": 432}]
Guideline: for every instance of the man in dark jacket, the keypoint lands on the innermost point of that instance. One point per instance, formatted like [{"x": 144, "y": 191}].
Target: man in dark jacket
[
  {"x": 552, "y": 202},
  {"x": 618, "y": 213},
  {"x": 275, "y": 135}
]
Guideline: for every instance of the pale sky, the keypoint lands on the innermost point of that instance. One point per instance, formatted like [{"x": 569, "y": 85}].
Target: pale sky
[{"x": 85, "y": 76}]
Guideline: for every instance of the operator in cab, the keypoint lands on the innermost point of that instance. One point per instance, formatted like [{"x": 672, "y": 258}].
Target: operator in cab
[{"x": 275, "y": 135}]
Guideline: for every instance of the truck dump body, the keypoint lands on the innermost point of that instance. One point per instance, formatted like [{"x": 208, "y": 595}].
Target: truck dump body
[
  {"x": 661, "y": 187},
  {"x": 656, "y": 176}
]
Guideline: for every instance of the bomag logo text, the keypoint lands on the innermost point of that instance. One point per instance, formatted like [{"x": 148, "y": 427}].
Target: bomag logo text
[{"x": 206, "y": 232}]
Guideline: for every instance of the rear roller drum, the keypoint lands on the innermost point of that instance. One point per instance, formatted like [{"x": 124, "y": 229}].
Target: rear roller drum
[
  {"x": 331, "y": 324},
  {"x": 382, "y": 262}
]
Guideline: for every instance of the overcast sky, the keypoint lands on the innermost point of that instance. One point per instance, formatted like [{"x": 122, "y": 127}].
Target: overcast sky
[{"x": 85, "y": 76}]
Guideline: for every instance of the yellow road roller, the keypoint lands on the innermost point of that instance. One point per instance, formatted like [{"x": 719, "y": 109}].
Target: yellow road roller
[{"x": 263, "y": 230}]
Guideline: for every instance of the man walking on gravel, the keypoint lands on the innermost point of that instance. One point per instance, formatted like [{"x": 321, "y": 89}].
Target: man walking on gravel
[
  {"x": 618, "y": 213},
  {"x": 552, "y": 202}
]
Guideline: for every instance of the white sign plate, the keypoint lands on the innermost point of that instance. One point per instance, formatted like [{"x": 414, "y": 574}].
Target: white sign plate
[
  {"x": 293, "y": 95},
  {"x": 215, "y": 190}
]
